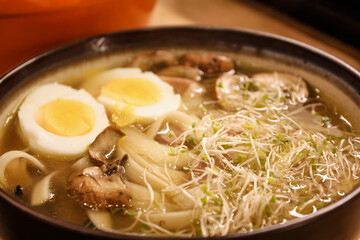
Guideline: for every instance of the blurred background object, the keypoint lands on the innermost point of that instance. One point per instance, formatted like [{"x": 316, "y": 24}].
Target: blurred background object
[
  {"x": 30, "y": 27},
  {"x": 262, "y": 15},
  {"x": 340, "y": 19}
]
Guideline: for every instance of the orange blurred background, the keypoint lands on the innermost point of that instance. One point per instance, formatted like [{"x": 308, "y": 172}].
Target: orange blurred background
[{"x": 30, "y": 27}]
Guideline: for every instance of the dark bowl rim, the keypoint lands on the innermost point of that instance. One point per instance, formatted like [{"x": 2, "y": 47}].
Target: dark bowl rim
[{"x": 295, "y": 223}]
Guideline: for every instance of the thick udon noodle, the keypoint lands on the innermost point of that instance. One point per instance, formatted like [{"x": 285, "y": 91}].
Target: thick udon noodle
[{"x": 264, "y": 161}]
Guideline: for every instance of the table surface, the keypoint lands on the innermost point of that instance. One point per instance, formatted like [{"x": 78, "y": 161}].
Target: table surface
[{"x": 251, "y": 15}]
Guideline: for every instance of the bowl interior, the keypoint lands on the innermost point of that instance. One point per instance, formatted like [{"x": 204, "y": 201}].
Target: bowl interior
[{"x": 252, "y": 51}]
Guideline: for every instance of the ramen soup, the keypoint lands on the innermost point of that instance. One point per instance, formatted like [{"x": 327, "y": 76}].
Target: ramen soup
[{"x": 178, "y": 144}]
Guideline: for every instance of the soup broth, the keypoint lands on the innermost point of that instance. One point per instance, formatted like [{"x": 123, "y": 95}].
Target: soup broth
[{"x": 193, "y": 144}]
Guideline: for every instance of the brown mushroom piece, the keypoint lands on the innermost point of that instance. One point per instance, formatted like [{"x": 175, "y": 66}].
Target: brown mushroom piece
[
  {"x": 180, "y": 85},
  {"x": 290, "y": 82},
  {"x": 103, "y": 149},
  {"x": 181, "y": 71},
  {"x": 153, "y": 60},
  {"x": 168, "y": 133},
  {"x": 96, "y": 189},
  {"x": 209, "y": 64}
]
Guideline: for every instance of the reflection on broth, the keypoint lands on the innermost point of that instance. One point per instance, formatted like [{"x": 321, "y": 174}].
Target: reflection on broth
[{"x": 188, "y": 144}]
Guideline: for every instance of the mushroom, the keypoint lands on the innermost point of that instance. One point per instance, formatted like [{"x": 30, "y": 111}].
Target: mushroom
[
  {"x": 168, "y": 134},
  {"x": 103, "y": 149},
  {"x": 180, "y": 85},
  {"x": 153, "y": 60},
  {"x": 227, "y": 86},
  {"x": 290, "y": 83},
  {"x": 96, "y": 189},
  {"x": 209, "y": 64},
  {"x": 181, "y": 71}
]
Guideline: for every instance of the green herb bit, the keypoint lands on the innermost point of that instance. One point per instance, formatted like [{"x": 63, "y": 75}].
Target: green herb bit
[
  {"x": 186, "y": 169},
  {"x": 205, "y": 190},
  {"x": 326, "y": 121},
  {"x": 216, "y": 169},
  {"x": 265, "y": 97},
  {"x": 197, "y": 152},
  {"x": 259, "y": 105},
  {"x": 313, "y": 143},
  {"x": 184, "y": 149},
  {"x": 193, "y": 125},
  {"x": 227, "y": 146},
  {"x": 128, "y": 213},
  {"x": 246, "y": 87},
  {"x": 258, "y": 122},
  {"x": 325, "y": 142},
  {"x": 172, "y": 152},
  {"x": 281, "y": 138},
  {"x": 228, "y": 193},
  {"x": 190, "y": 141},
  {"x": 171, "y": 134},
  {"x": 203, "y": 109},
  {"x": 144, "y": 227},
  {"x": 116, "y": 210},
  {"x": 248, "y": 126},
  {"x": 204, "y": 157},
  {"x": 293, "y": 182},
  {"x": 241, "y": 157},
  {"x": 219, "y": 202},
  {"x": 334, "y": 150},
  {"x": 219, "y": 85},
  {"x": 261, "y": 155},
  {"x": 203, "y": 201},
  {"x": 273, "y": 199},
  {"x": 313, "y": 166},
  {"x": 267, "y": 210},
  {"x": 271, "y": 180}
]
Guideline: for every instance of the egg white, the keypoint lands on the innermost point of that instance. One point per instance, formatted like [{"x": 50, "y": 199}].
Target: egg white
[
  {"x": 44, "y": 142},
  {"x": 169, "y": 100}
]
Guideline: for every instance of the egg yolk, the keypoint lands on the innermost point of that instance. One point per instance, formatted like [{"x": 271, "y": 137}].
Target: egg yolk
[
  {"x": 132, "y": 91},
  {"x": 67, "y": 117}
]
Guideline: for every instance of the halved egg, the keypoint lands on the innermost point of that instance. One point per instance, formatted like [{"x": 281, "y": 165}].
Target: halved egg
[
  {"x": 132, "y": 95},
  {"x": 57, "y": 120}
]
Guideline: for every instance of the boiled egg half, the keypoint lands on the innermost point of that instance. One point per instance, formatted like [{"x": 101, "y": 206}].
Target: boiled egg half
[
  {"x": 57, "y": 120},
  {"x": 132, "y": 95}
]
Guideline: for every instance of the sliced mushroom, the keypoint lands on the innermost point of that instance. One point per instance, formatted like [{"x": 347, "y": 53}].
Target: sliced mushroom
[
  {"x": 180, "y": 85},
  {"x": 227, "y": 86},
  {"x": 96, "y": 189},
  {"x": 290, "y": 82},
  {"x": 153, "y": 60},
  {"x": 181, "y": 71},
  {"x": 209, "y": 64},
  {"x": 168, "y": 133},
  {"x": 103, "y": 149}
]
